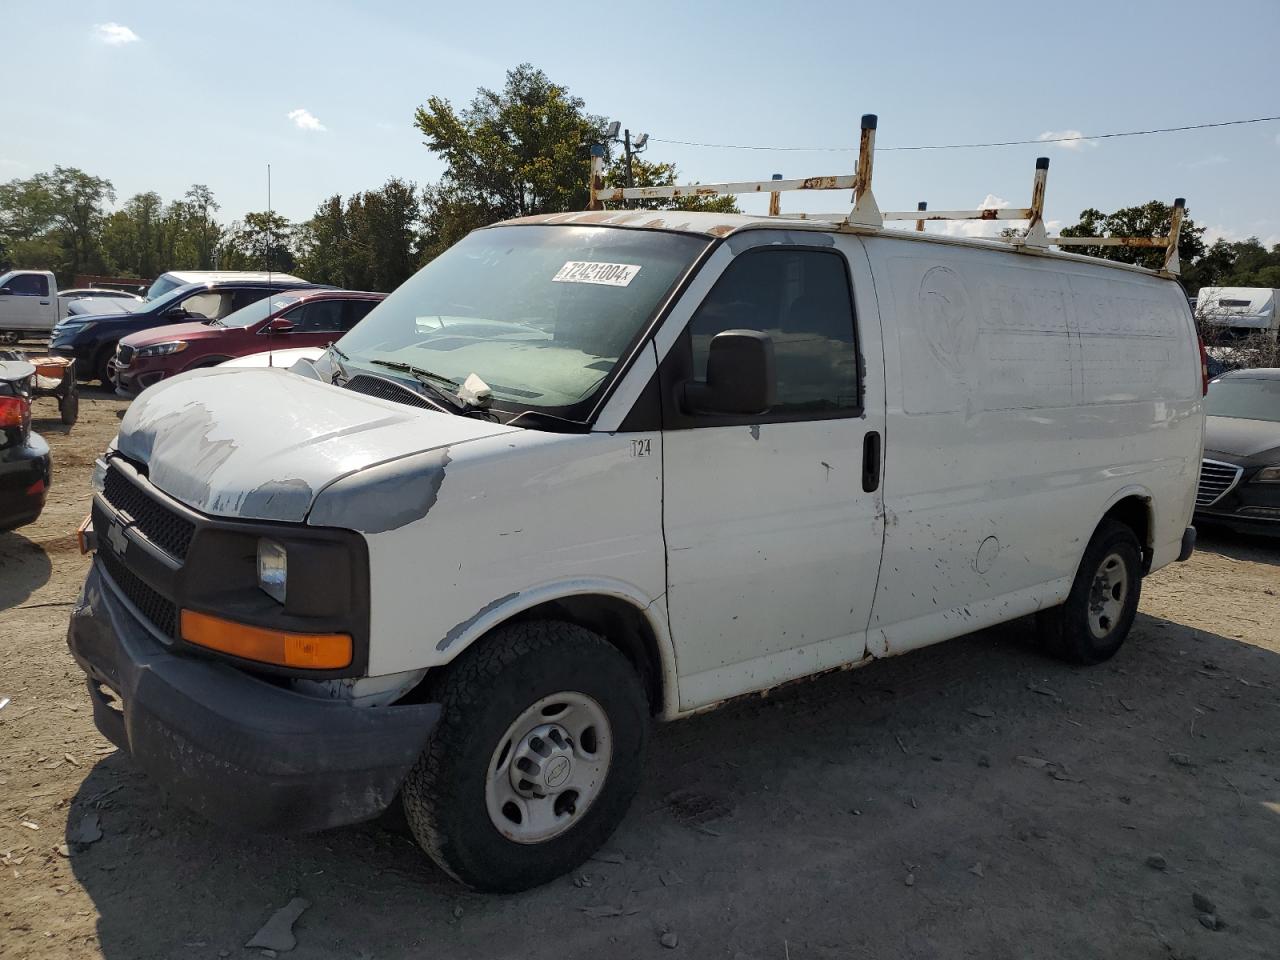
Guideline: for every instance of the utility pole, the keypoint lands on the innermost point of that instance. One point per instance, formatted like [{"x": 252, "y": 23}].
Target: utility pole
[{"x": 626, "y": 145}]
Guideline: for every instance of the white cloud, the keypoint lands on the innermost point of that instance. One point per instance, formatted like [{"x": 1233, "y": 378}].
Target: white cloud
[
  {"x": 1069, "y": 139},
  {"x": 114, "y": 34},
  {"x": 306, "y": 120}
]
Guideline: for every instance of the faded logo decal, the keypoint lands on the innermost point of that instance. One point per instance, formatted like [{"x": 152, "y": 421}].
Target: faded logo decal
[{"x": 948, "y": 321}]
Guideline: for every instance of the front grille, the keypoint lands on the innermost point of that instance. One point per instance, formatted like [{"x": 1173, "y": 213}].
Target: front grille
[
  {"x": 161, "y": 613},
  {"x": 157, "y": 522},
  {"x": 387, "y": 390},
  {"x": 124, "y": 354},
  {"x": 1216, "y": 480}
]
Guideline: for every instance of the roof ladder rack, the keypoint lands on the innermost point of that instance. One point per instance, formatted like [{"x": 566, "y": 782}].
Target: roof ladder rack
[{"x": 866, "y": 214}]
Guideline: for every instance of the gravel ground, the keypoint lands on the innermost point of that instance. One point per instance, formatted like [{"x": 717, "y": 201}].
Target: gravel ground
[{"x": 974, "y": 799}]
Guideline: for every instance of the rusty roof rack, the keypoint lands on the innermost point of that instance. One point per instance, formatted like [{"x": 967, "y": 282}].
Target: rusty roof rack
[{"x": 866, "y": 214}]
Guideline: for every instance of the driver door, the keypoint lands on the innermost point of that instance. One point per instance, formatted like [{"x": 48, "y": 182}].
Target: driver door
[{"x": 774, "y": 522}]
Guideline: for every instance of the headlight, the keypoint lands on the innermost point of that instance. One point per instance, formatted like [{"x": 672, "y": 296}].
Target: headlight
[
  {"x": 162, "y": 349},
  {"x": 273, "y": 569},
  {"x": 1268, "y": 475},
  {"x": 98, "y": 478}
]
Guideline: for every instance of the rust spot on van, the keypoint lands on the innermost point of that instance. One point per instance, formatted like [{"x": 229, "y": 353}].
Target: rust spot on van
[
  {"x": 818, "y": 183},
  {"x": 721, "y": 229}
]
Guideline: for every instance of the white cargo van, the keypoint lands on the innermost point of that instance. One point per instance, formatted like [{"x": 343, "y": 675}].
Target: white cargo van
[
  {"x": 1239, "y": 312},
  {"x": 585, "y": 470},
  {"x": 174, "y": 279}
]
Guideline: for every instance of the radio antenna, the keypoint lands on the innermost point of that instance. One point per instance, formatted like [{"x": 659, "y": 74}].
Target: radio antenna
[{"x": 271, "y": 345}]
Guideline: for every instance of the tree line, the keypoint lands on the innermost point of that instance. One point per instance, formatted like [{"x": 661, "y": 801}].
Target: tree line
[{"x": 513, "y": 152}]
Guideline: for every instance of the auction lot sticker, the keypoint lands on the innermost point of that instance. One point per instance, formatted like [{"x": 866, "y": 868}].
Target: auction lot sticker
[{"x": 589, "y": 271}]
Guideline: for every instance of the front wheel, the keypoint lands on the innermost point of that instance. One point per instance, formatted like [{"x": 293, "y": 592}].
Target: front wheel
[
  {"x": 1099, "y": 610},
  {"x": 536, "y": 757}
]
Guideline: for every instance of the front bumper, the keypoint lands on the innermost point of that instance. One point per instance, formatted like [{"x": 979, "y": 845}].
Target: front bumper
[
  {"x": 1248, "y": 506},
  {"x": 235, "y": 748},
  {"x": 25, "y": 474}
]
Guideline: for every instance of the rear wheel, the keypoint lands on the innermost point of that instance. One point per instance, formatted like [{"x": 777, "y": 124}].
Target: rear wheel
[
  {"x": 1093, "y": 623},
  {"x": 102, "y": 365},
  {"x": 536, "y": 757},
  {"x": 69, "y": 407}
]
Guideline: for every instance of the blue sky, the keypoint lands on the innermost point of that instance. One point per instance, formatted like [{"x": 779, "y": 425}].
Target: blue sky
[{"x": 159, "y": 95}]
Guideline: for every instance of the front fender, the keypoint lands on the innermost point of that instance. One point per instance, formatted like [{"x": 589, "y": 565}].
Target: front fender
[{"x": 462, "y": 635}]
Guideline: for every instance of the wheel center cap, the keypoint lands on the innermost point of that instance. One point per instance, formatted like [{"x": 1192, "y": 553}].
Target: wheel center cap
[{"x": 557, "y": 771}]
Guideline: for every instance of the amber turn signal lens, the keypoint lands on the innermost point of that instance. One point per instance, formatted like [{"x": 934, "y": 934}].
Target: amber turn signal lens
[{"x": 308, "y": 651}]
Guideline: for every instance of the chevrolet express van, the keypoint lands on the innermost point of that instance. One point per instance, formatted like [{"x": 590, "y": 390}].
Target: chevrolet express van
[{"x": 587, "y": 470}]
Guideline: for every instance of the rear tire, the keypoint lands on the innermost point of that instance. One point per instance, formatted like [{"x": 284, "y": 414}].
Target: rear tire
[
  {"x": 102, "y": 365},
  {"x": 1099, "y": 611},
  {"x": 547, "y": 698}
]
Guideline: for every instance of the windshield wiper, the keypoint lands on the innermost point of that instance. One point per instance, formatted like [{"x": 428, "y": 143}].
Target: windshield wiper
[
  {"x": 337, "y": 356},
  {"x": 428, "y": 380}
]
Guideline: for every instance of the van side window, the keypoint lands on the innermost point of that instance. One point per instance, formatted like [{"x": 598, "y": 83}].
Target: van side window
[
  {"x": 356, "y": 311},
  {"x": 318, "y": 316},
  {"x": 802, "y": 300},
  {"x": 29, "y": 285}
]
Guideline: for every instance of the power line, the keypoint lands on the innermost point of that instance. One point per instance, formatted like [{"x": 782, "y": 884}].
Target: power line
[{"x": 972, "y": 146}]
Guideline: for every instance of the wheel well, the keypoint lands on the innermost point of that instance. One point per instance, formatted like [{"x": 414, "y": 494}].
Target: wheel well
[
  {"x": 622, "y": 624},
  {"x": 1135, "y": 513}
]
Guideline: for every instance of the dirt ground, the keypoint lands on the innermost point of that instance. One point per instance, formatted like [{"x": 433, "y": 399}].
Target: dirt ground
[{"x": 973, "y": 799}]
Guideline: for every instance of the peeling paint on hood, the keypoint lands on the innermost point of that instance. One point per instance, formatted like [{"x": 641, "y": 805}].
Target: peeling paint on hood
[{"x": 261, "y": 444}]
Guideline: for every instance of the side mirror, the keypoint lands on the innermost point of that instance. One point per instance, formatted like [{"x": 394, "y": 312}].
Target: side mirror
[
  {"x": 175, "y": 313},
  {"x": 5, "y": 292},
  {"x": 280, "y": 325},
  {"x": 740, "y": 376}
]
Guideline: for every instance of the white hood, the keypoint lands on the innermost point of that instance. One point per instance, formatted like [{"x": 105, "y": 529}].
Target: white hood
[{"x": 262, "y": 443}]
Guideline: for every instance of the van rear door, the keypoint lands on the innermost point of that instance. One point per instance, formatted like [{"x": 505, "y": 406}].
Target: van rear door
[{"x": 774, "y": 522}]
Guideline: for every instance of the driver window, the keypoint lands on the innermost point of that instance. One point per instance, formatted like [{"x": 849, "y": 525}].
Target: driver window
[
  {"x": 801, "y": 299},
  {"x": 28, "y": 285}
]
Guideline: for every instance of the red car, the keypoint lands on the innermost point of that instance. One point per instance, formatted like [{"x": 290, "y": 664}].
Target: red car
[{"x": 291, "y": 318}]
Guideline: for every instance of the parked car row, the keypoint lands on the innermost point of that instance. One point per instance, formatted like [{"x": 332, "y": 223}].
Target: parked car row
[
  {"x": 25, "y": 466},
  {"x": 304, "y": 317},
  {"x": 1240, "y": 475}
]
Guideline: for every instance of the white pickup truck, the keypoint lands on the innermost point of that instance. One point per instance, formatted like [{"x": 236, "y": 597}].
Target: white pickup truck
[{"x": 30, "y": 302}]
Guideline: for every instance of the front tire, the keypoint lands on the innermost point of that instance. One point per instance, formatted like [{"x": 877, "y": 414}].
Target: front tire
[
  {"x": 536, "y": 757},
  {"x": 1099, "y": 611}
]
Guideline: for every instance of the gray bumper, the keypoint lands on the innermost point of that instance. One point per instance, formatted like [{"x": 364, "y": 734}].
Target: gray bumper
[{"x": 232, "y": 747}]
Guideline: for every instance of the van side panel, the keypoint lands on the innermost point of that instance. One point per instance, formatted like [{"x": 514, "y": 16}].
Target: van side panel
[
  {"x": 1026, "y": 396},
  {"x": 518, "y": 519}
]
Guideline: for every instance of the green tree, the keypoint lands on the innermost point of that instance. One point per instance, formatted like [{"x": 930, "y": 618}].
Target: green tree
[
  {"x": 322, "y": 244},
  {"x": 53, "y": 220},
  {"x": 262, "y": 241},
  {"x": 369, "y": 243},
  {"x": 1235, "y": 263},
  {"x": 132, "y": 239},
  {"x": 511, "y": 153},
  {"x": 1149, "y": 220},
  {"x": 198, "y": 233}
]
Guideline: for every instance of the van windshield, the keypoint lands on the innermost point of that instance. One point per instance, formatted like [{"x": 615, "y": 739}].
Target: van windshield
[
  {"x": 258, "y": 310},
  {"x": 162, "y": 285},
  {"x": 1245, "y": 398},
  {"x": 541, "y": 313}
]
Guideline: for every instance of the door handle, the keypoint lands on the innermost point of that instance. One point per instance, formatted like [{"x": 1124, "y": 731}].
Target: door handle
[
  {"x": 871, "y": 461},
  {"x": 45, "y": 303}
]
